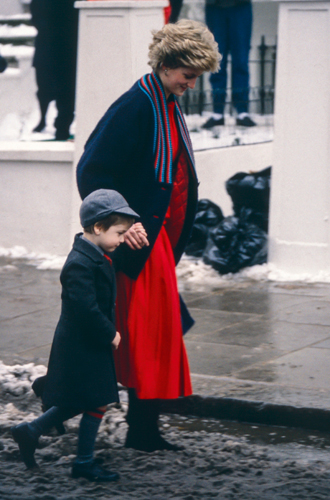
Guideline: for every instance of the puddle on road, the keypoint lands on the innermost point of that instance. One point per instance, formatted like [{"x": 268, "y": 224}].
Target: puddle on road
[{"x": 258, "y": 434}]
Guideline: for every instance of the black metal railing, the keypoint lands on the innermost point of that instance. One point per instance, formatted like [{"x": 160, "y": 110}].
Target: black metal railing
[{"x": 261, "y": 96}]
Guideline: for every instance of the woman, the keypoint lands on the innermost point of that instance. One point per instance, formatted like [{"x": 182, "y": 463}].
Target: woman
[{"x": 141, "y": 148}]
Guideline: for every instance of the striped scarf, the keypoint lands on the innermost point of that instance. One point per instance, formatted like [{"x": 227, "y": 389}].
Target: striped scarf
[{"x": 150, "y": 84}]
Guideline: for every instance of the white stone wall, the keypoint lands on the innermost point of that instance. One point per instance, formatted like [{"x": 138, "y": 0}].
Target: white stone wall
[
  {"x": 300, "y": 207},
  {"x": 35, "y": 196},
  {"x": 37, "y": 189}
]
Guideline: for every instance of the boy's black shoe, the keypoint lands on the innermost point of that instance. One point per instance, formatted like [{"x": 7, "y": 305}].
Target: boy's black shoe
[
  {"x": 27, "y": 444},
  {"x": 93, "y": 472},
  {"x": 213, "y": 122},
  {"x": 245, "y": 122}
]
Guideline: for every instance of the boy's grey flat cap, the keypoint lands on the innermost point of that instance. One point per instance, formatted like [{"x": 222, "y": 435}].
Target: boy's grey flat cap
[{"x": 101, "y": 203}]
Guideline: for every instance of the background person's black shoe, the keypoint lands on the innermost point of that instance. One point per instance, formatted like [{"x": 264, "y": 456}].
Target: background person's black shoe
[
  {"x": 245, "y": 122},
  {"x": 41, "y": 125},
  {"x": 93, "y": 472},
  {"x": 213, "y": 122},
  {"x": 26, "y": 443}
]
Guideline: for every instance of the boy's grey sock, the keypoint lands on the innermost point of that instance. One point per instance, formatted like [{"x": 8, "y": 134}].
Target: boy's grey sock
[
  {"x": 89, "y": 426},
  {"x": 55, "y": 415}
]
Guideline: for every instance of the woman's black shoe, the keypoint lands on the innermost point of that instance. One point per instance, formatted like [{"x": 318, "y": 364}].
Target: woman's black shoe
[
  {"x": 149, "y": 443},
  {"x": 93, "y": 472},
  {"x": 26, "y": 443}
]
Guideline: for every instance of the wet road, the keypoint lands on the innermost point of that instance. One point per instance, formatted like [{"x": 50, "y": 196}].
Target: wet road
[{"x": 221, "y": 460}]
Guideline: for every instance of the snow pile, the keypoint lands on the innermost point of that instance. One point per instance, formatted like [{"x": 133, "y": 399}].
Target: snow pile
[
  {"x": 18, "y": 51},
  {"x": 10, "y": 415},
  {"x": 193, "y": 274},
  {"x": 23, "y": 30},
  {"x": 40, "y": 260},
  {"x": 17, "y": 379},
  {"x": 19, "y": 126}
]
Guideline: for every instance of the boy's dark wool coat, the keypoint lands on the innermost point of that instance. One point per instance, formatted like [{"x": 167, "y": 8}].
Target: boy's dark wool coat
[
  {"x": 119, "y": 155},
  {"x": 81, "y": 372}
]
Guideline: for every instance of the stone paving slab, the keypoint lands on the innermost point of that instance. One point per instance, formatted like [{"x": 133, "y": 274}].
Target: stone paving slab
[{"x": 253, "y": 341}]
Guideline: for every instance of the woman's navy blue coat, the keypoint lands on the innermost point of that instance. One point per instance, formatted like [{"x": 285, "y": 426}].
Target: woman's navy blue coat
[
  {"x": 119, "y": 155},
  {"x": 81, "y": 372}
]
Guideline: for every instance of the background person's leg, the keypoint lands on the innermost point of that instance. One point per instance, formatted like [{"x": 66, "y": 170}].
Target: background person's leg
[
  {"x": 217, "y": 21},
  {"x": 240, "y": 40}
]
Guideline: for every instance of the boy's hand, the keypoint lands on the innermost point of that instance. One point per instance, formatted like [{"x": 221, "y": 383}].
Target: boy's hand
[
  {"x": 136, "y": 237},
  {"x": 116, "y": 341}
]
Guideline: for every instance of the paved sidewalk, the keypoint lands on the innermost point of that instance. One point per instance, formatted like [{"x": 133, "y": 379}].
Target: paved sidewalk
[{"x": 253, "y": 341}]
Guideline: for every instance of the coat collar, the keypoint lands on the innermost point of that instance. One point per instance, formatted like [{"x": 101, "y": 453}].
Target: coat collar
[{"x": 82, "y": 246}]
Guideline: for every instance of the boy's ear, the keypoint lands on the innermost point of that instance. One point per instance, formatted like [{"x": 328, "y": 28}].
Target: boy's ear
[{"x": 97, "y": 229}]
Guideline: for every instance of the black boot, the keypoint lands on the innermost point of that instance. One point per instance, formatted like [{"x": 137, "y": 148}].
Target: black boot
[
  {"x": 27, "y": 444},
  {"x": 93, "y": 472},
  {"x": 143, "y": 432}
]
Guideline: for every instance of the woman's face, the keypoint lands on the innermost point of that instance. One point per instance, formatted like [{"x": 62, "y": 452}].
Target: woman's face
[{"x": 177, "y": 81}]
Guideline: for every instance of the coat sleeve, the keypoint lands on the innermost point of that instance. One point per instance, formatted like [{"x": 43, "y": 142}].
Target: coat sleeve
[{"x": 79, "y": 292}]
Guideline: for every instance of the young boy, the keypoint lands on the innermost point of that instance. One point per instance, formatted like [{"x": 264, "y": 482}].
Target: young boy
[{"x": 81, "y": 375}]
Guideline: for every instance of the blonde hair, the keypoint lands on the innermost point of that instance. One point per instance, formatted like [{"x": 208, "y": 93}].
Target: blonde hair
[{"x": 184, "y": 44}]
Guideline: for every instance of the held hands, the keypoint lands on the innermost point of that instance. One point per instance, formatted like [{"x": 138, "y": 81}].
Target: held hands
[
  {"x": 136, "y": 237},
  {"x": 116, "y": 341}
]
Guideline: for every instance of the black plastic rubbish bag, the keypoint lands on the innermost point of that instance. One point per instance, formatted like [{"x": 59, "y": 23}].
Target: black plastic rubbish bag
[
  {"x": 207, "y": 217},
  {"x": 251, "y": 191},
  {"x": 234, "y": 244}
]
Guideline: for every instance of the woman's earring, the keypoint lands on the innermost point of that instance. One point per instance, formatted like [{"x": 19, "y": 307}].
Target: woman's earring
[{"x": 166, "y": 72}]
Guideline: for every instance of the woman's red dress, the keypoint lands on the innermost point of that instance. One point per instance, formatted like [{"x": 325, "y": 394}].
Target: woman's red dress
[{"x": 151, "y": 357}]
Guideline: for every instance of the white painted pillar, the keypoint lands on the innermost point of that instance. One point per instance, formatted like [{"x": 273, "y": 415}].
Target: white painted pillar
[
  {"x": 112, "y": 54},
  {"x": 300, "y": 194}
]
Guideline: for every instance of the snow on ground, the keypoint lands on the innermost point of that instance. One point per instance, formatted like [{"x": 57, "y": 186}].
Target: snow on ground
[
  {"x": 192, "y": 273},
  {"x": 40, "y": 260},
  {"x": 19, "y": 126},
  {"x": 17, "y": 379},
  {"x": 219, "y": 461},
  {"x": 230, "y": 134}
]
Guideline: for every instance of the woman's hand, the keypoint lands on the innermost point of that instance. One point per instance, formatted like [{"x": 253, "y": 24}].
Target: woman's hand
[
  {"x": 136, "y": 237},
  {"x": 116, "y": 341}
]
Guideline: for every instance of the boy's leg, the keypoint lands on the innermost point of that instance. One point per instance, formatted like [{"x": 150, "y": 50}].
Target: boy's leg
[
  {"x": 84, "y": 465},
  {"x": 89, "y": 426},
  {"x": 26, "y": 435}
]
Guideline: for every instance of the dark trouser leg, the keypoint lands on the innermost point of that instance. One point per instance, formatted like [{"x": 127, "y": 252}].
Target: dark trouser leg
[
  {"x": 65, "y": 62},
  {"x": 51, "y": 418},
  {"x": 38, "y": 387},
  {"x": 240, "y": 40},
  {"x": 45, "y": 95},
  {"x": 217, "y": 21}
]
